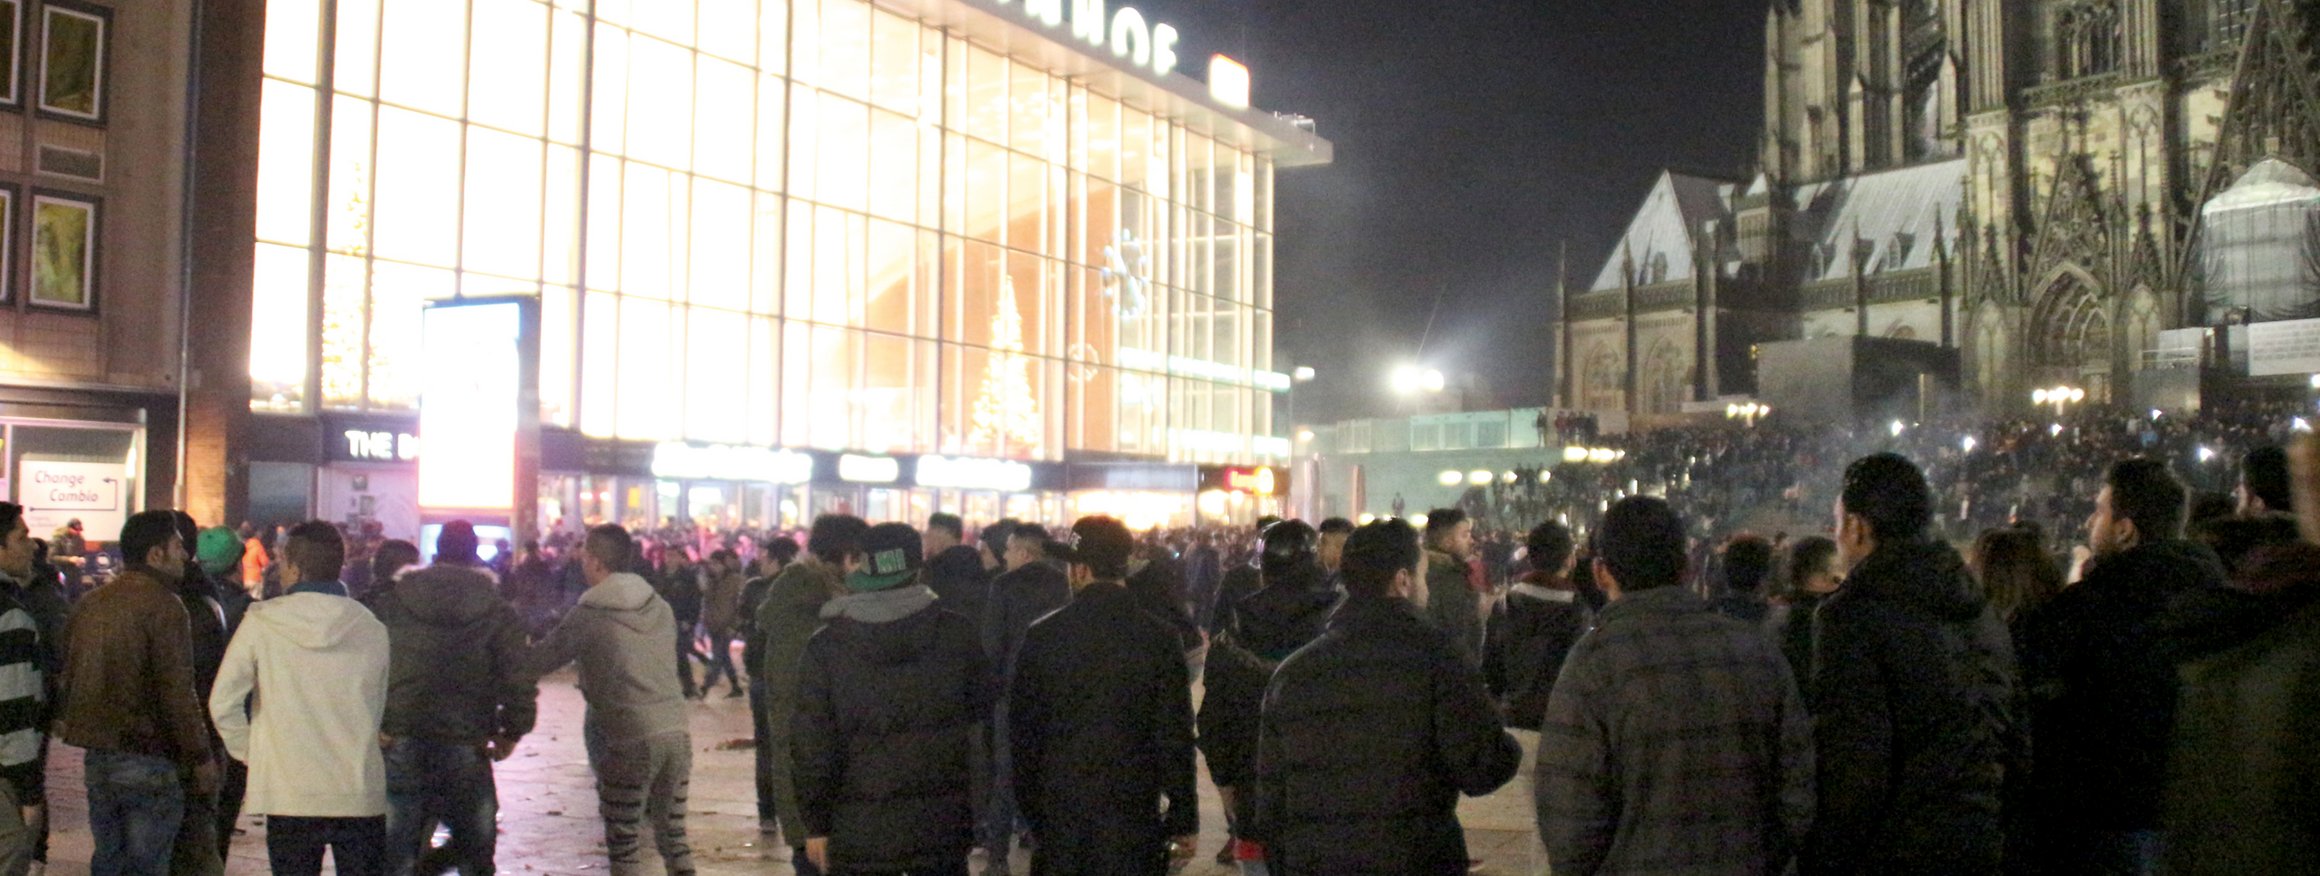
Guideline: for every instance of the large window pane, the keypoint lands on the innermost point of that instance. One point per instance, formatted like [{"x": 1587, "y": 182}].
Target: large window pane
[
  {"x": 508, "y": 80},
  {"x": 766, "y": 265},
  {"x": 720, "y": 237},
  {"x": 604, "y": 214},
  {"x": 772, "y": 132},
  {"x": 398, "y": 293},
  {"x": 986, "y": 95},
  {"x": 773, "y": 35},
  {"x": 845, "y": 48},
  {"x": 894, "y": 57},
  {"x": 729, "y": 29},
  {"x": 355, "y": 66},
  {"x": 834, "y": 406},
  {"x": 724, "y": 120},
  {"x": 842, "y": 171},
  {"x": 418, "y": 188},
  {"x": 559, "y": 354},
  {"x": 567, "y": 77},
  {"x": 608, "y": 100},
  {"x": 649, "y": 401},
  {"x": 764, "y": 378},
  {"x": 278, "y": 308},
  {"x": 652, "y": 233},
  {"x": 285, "y": 163},
  {"x": 418, "y": 35},
  {"x": 670, "y": 20},
  {"x": 892, "y": 274},
  {"x": 894, "y": 160},
  {"x": 503, "y": 204},
  {"x": 886, "y": 394},
  {"x": 348, "y": 222},
  {"x": 560, "y": 219},
  {"x": 715, "y": 351},
  {"x": 344, "y": 321},
  {"x": 660, "y": 120},
  {"x": 600, "y": 364},
  {"x": 839, "y": 253},
  {"x": 1036, "y": 114},
  {"x": 293, "y": 27}
]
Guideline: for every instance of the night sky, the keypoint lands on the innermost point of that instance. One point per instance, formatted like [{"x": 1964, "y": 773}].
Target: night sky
[{"x": 1472, "y": 138}]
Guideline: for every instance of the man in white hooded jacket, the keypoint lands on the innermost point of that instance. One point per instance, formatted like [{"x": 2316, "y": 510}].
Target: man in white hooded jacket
[
  {"x": 635, "y": 727},
  {"x": 316, "y": 662}
]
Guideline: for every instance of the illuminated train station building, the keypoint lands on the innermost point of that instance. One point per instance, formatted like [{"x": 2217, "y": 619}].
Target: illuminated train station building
[{"x": 781, "y": 257}]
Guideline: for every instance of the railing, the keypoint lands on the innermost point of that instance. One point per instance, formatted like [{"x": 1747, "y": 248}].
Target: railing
[{"x": 2074, "y": 90}]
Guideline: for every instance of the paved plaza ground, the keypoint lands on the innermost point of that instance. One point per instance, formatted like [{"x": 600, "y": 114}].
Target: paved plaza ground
[{"x": 548, "y": 821}]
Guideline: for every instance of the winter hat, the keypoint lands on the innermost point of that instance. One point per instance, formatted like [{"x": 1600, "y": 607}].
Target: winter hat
[
  {"x": 892, "y": 553},
  {"x": 217, "y": 549}
]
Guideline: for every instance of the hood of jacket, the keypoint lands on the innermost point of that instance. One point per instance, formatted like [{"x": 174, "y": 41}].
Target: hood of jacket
[
  {"x": 623, "y": 596},
  {"x": 444, "y": 596},
  {"x": 313, "y": 621},
  {"x": 1927, "y": 575},
  {"x": 2272, "y": 587},
  {"x": 2165, "y": 568},
  {"x": 884, "y": 627},
  {"x": 1283, "y": 617}
]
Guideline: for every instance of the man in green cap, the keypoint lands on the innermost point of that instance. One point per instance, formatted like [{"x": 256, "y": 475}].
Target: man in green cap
[{"x": 891, "y": 692}]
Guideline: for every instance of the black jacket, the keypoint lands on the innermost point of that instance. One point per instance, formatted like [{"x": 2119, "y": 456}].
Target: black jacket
[
  {"x": 889, "y": 694},
  {"x": 1018, "y": 598},
  {"x": 1239, "y": 583},
  {"x": 1523, "y": 646},
  {"x": 1267, "y": 627},
  {"x": 1912, "y": 696},
  {"x": 207, "y": 615},
  {"x": 959, "y": 579},
  {"x": 1100, "y": 716},
  {"x": 1370, "y": 734},
  {"x": 456, "y": 657},
  {"x": 2243, "y": 790},
  {"x": 1159, "y": 588},
  {"x": 753, "y": 641},
  {"x": 2102, "y": 687}
]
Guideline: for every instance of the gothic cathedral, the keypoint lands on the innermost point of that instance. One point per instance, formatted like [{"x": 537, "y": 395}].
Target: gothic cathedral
[{"x": 2025, "y": 181}]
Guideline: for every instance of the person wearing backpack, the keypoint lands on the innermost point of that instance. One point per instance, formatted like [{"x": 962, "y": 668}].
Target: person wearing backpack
[{"x": 1290, "y": 610}]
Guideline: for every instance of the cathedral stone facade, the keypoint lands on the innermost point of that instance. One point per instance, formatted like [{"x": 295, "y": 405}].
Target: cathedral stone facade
[{"x": 2023, "y": 181}]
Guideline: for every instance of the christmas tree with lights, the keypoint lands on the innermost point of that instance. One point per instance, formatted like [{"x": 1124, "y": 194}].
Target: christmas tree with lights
[{"x": 1006, "y": 416}]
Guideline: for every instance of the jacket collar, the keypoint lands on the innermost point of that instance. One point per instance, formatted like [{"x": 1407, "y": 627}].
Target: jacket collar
[
  {"x": 326, "y": 588},
  {"x": 1358, "y": 611},
  {"x": 1672, "y": 599},
  {"x": 1543, "y": 593}
]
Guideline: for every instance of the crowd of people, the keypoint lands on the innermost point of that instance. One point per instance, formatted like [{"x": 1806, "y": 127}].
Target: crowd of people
[{"x": 2130, "y": 693}]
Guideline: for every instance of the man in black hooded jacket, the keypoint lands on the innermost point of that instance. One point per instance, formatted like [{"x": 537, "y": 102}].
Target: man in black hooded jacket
[
  {"x": 1291, "y": 610},
  {"x": 1912, "y": 690},
  {"x": 2098, "y": 663}
]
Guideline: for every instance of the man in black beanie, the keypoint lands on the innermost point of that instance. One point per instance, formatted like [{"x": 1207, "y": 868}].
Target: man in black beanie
[{"x": 890, "y": 696}]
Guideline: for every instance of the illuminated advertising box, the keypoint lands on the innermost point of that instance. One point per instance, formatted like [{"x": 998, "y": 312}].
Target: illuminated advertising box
[{"x": 472, "y": 367}]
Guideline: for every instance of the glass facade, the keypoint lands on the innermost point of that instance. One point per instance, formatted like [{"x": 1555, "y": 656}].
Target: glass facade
[{"x": 812, "y": 223}]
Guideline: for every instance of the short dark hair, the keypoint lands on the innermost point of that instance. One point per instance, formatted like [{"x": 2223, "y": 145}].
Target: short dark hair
[
  {"x": 1549, "y": 544},
  {"x": 1747, "y": 562},
  {"x": 611, "y": 545},
  {"x": 781, "y": 549},
  {"x": 1374, "y": 553},
  {"x": 1890, "y": 492},
  {"x": 834, "y": 536},
  {"x": 2144, "y": 491},
  {"x": 144, "y": 531},
  {"x": 1807, "y": 556},
  {"x": 1336, "y": 526},
  {"x": 1440, "y": 521},
  {"x": 1031, "y": 531},
  {"x": 393, "y": 556},
  {"x": 1643, "y": 543},
  {"x": 994, "y": 535},
  {"x": 2265, "y": 471},
  {"x": 10, "y": 514},
  {"x": 947, "y": 522},
  {"x": 317, "y": 549}
]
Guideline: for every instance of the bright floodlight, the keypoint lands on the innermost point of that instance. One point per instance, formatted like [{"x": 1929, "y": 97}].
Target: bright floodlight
[
  {"x": 1431, "y": 380},
  {"x": 2038, "y": 396},
  {"x": 1303, "y": 373},
  {"x": 2055, "y": 430},
  {"x": 1574, "y": 453},
  {"x": 1968, "y": 444},
  {"x": 1449, "y": 478},
  {"x": 1507, "y": 477},
  {"x": 2300, "y": 424},
  {"x": 1304, "y": 435},
  {"x": 1368, "y": 518},
  {"x": 1478, "y": 477},
  {"x": 1896, "y": 428},
  {"x": 1545, "y": 475},
  {"x": 1418, "y": 520},
  {"x": 1405, "y": 379},
  {"x": 2206, "y": 454},
  {"x": 2077, "y": 395}
]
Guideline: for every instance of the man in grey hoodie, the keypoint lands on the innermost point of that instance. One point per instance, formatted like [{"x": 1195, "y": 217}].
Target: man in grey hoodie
[{"x": 635, "y": 725}]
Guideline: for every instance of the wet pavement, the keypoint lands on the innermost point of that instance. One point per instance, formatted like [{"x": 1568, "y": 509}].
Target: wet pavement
[{"x": 548, "y": 821}]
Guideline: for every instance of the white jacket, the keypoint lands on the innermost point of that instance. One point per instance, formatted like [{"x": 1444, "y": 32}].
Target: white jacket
[{"x": 318, "y": 666}]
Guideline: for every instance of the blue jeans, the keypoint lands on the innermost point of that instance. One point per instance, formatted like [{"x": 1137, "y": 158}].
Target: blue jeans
[
  {"x": 135, "y": 804},
  {"x": 430, "y": 782}
]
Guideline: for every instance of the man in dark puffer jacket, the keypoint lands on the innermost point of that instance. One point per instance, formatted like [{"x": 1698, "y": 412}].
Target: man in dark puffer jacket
[
  {"x": 1912, "y": 693},
  {"x": 889, "y": 696},
  {"x": 1370, "y": 733},
  {"x": 458, "y": 698},
  {"x": 1532, "y": 630}
]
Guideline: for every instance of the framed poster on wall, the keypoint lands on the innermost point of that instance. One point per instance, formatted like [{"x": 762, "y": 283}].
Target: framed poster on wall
[
  {"x": 73, "y": 47},
  {"x": 64, "y": 251}
]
